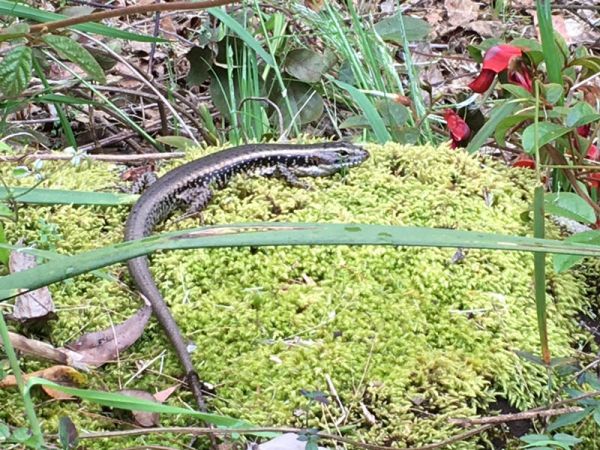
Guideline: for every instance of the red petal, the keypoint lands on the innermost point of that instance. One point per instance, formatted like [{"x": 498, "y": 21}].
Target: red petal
[
  {"x": 521, "y": 78},
  {"x": 584, "y": 130},
  {"x": 459, "y": 130},
  {"x": 524, "y": 161},
  {"x": 498, "y": 57},
  {"x": 594, "y": 179},
  {"x": 483, "y": 82},
  {"x": 593, "y": 153}
]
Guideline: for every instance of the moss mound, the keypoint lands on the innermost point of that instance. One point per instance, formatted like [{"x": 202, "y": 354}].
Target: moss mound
[{"x": 406, "y": 334}]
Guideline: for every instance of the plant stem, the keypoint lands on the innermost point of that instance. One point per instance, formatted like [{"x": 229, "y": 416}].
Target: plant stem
[
  {"x": 14, "y": 364},
  {"x": 539, "y": 265}
]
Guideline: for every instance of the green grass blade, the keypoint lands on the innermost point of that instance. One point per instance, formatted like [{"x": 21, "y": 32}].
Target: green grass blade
[
  {"x": 375, "y": 120},
  {"x": 552, "y": 56},
  {"x": 116, "y": 400},
  {"x": 279, "y": 234},
  {"x": 13, "y": 9},
  {"x": 497, "y": 114},
  {"x": 63, "y": 197},
  {"x": 238, "y": 29}
]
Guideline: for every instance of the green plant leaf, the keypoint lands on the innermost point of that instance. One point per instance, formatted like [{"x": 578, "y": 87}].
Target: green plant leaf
[
  {"x": 497, "y": 114},
  {"x": 375, "y": 120},
  {"x": 546, "y": 133},
  {"x": 592, "y": 63},
  {"x": 4, "y": 431},
  {"x": 67, "y": 433},
  {"x": 581, "y": 113},
  {"x": 567, "y": 439},
  {"x": 201, "y": 60},
  {"x": 533, "y": 438},
  {"x": 553, "y": 92},
  {"x": 597, "y": 415},
  {"x": 278, "y": 234},
  {"x": 178, "y": 142},
  {"x": 517, "y": 91},
  {"x": 306, "y": 104},
  {"x": 14, "y": 31},
  {"x": 569, "y": 419},
  {"x": 506, "y": 124},
  {"x": 66, "y": 100},
  {"x": 565, "y": 262},
  {"x": 390, "y": 29},
  {"x": 243, "y": 33},
  {"x": 71, "y": 50},
  {"x": 15, "y": 9},
  {"x": 570, "y": 205},
  {"x": 15, "y": 71},
  {"x": 62, "y": 197},
  {"x": 306, "y": 65},
  {"x": 4, "y": 252}
]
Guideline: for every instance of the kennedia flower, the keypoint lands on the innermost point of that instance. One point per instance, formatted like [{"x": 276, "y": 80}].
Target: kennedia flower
[
  {"x": 593, "y": 152},
  {"x": 525, "y": 161},
  {"x": 593, "y": 179},
  {"x": 498, "y": 59},
  {"x": 459, "y": 130}
]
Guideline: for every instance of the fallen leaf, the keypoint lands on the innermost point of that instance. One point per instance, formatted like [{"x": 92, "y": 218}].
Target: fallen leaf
[
  {"x": 35, "y": 307},
  {"x": 64, "y": 375},
  {"x": 461, "y": 12},
  {"x": 142, "y": 418},
  {"x": 99, "y": 347},
  {"x": 287, "y": 441},
  {"x": 162, "y": 396}
]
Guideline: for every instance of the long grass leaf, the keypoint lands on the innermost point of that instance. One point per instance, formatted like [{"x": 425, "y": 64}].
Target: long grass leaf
[
  {"x": 279, "y": 234},
  {"x": 497, "y": 114},
  {"x": 539, "y": 268},
  {"x": 375, "y": 120},
  {"x": 64, "y": 197},
  {"x": 238, "y": 29}
]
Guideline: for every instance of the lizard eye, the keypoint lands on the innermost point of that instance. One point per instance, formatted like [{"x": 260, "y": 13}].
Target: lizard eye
[{"x": 343, "y": 153}]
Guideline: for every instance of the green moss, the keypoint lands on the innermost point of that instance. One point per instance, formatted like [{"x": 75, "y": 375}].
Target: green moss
[{"x": 412, "y": 336}]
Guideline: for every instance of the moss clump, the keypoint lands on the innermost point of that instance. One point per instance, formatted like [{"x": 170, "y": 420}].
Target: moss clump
[{"x": 410, "y": 335}]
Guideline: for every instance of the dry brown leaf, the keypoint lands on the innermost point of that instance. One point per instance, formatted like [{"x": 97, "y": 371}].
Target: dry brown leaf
[
  {"x": 142, "y": 418},
  {"x": 99, "y": 347},
  {"x": 486, "y": 28},
  {"x": 35, "y": 307},
  {"x": 461, "y": 12},
  {"x": 59, "y": 374},
  {"x": 162, "y": 396}
]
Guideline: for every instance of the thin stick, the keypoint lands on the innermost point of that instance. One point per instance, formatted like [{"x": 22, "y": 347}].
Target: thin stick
[
  {"x": 128, "y": 11},
  {"x": 503, "y": 418},
  {"x": 107, "y": 157}
]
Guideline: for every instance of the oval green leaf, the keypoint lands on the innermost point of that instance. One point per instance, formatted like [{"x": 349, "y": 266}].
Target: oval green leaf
[
  {"x": 71, "y": 50},
  {"x": 546, "y": 133}
]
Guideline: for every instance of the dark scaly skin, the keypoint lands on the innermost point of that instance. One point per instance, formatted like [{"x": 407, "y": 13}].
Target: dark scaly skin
[{"x": 189, "y": 186}]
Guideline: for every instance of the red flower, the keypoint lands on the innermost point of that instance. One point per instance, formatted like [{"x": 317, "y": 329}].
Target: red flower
[
  {"x": 525, "y": 161},
  {"x": 593, "y": 179},
  {"x": 498, "y": 59},
  {"x": 593, "y": 153},
  {"x": 584, "y": 130},
  {"x": 459, "y": 130}
]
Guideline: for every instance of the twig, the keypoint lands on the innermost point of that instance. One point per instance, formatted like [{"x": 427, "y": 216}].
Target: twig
[
  {"x": 127, "y": 11},
  {"x": 503, "y": 418},
  {"x": 107, "y": 157},
  {"x": 197, "y": 431}
]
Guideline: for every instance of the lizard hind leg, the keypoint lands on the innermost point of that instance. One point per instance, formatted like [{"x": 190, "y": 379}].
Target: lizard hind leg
[{"x": 195, "y": 200}]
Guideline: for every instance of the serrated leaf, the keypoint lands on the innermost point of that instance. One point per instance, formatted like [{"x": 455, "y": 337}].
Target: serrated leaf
[
  {"x": 20, "y": 435},
  {"x": 569, "y": 419},
  {"x": 546, "y": 133},
  {"x": 71, "y": 50},
  {"x": 570, "y": 205},
  {"x": 565, "y": 262},
  {"x": 390, "y": 28},
  {"x": 15, "y": 71},
  {"x": 306, "y": 65}
]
